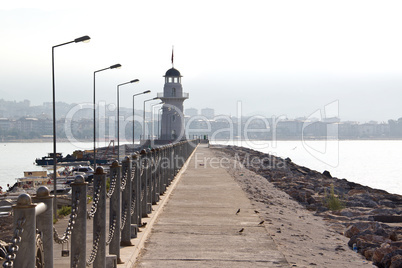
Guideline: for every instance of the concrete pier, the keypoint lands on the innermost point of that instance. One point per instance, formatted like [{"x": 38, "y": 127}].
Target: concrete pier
[
  {"x": 200, "y": 226},
  {"x": 203, "y": 220}
]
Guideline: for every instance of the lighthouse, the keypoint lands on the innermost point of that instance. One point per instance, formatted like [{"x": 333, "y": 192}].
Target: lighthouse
[{"x": 172, "y": 123}]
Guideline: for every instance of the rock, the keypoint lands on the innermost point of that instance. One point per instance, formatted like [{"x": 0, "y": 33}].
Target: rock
[
  {"x": 387, "y": 203},
  {"x": 379, "y": 254},
  {"x": 388, "y": 259},
  {"x": 356, "y": 192},
  {"x": 368, "y": 253},
  {"x": 347, "y": 212},
  {"x": 351, "y": 231},
  {"x": 326, "y": 174},
  {"x": 396, "y": 261},
  {"x": 354, "y": 203},
  {"x": 387, "y": 218},
  {"x": 381, "y": 232}
]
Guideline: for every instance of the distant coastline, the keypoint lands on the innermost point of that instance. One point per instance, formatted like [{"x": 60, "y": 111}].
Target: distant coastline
[{"x": 217, "y": 140}]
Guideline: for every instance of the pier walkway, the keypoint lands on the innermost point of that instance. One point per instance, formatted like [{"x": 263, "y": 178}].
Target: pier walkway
[{"x": 203, "y": 220}]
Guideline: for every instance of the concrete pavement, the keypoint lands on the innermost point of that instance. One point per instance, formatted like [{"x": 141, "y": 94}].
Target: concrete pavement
[{"x": 199, "y": 226}]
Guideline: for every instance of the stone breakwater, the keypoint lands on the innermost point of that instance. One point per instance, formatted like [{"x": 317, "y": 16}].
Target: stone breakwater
[{"x": 370, "y": 218}]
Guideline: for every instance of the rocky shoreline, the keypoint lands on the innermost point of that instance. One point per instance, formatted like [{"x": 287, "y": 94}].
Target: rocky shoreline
[{"x": 371, "y": 219}]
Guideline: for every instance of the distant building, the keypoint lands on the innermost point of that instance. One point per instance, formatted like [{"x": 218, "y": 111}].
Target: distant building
[
  {"x": 4, "y": 124},
  {"x": 191, "y": 112},
  {"x": 208, "y": 113}
]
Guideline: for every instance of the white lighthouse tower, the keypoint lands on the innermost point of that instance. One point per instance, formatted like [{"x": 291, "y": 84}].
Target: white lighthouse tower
[{"x": 172, "y": 124}]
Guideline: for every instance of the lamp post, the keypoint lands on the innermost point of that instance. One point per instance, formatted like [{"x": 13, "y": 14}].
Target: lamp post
[
  {"x": 145, "y": 92},
  {"x": 143, "y": 129},
  {"x": 84, "y": 38},
  {"x": 118, "y": 115},
  {"x": 159, "y": 119},
  {"x": 152, "y": 115},
  {"x": 110, "y": 67}
]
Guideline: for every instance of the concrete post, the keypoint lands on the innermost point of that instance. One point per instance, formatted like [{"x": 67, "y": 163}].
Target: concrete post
[
  {"x": 149, "y": 182},
  {"x": 152, "y": 175},
  {"x": 44, "y": 223},
  {"x": 158, "y": 156},
  {"x": 144, "y": 197},
  {"x": 79, "y": 232},
  {"x": 162, "y": 169},
  {"x": 172, "y": 154},
  {"x": 168, "y": 164},
  {"x": 126, "y": 203},
  {"x": 99, "y": 229},
  {"x": 115, "y": 209},
  {"x": 24, "y": 210},
  {"x": 136, "y": 193}
]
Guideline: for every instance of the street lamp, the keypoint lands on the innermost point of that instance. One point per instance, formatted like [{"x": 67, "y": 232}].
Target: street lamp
[
  {"x": 110, "y": 67},
  {"x": 84, "y": 38},
  {"x": 118, "y": 115},
  {"x": 152, "y": 123},
  {"x": 143, "y": 129},
  {"x": 145, "y": 92}
]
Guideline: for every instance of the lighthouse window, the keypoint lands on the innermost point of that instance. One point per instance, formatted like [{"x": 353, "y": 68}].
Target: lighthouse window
[{"x": 173, "y": 92}]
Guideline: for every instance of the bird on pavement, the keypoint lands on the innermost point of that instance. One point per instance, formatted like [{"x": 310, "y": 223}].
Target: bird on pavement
[
  {"x": 238, "y": 211},
  {"x": 241, "y": 230},
  {"x": 261, "y": 222}
]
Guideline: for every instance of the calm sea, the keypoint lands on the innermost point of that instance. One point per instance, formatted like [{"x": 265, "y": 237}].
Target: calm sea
[
  {"x": 15, "y": 158},
  {"x": 377, "y": 164}
]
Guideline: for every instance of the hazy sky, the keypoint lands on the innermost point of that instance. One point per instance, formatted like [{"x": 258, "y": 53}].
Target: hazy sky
[{"x": 276, "y": 57}]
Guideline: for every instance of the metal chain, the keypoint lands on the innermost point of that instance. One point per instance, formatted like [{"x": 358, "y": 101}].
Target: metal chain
[
  {"x": 124, "y": 217},
  {"x": 95, "y": 202},
  {"x": 142, "y": 168},
  {"x": 124, "y": 179},
  {"x": 112, "y": 184},
  {"x": 94, "y": 251},
  {"x": 71, "y": 222},
  {"x": 133, "y": 202},
  {"x": 112, "y": 228},
  {"x": 13, "y": 248},
  {"x": 133, "y": 170},
  {"x": 142, "y": 194}
]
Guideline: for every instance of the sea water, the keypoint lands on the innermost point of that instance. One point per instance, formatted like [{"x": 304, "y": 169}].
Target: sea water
[
  {"x": 375, "y": 163},
  {"x": 15, "y": 157}
]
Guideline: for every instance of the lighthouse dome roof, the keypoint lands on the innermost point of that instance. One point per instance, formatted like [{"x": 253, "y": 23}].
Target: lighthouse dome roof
[{"x": 172, "y": 72}]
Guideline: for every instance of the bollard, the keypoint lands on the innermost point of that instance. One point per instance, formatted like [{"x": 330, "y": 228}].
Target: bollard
[
  {"x": 99, "y": 221},
  {"x": 126, "y": 203},
  {"x": 157, "y": 169},
  {"x": 152, "y": 175},
  {"x": 148, "y": 188},
  {"x": 136, "y": 193},
  {"x": 173, "y": 168},
  {"x": 115, "y": 213},
  {"x": 143, "y": 183},
  {"x": 162, "y": 169},
  {"x": 44, "y": 223},
  {"x": 79, "y": 232},
  {"x": 24, "y": 216}
]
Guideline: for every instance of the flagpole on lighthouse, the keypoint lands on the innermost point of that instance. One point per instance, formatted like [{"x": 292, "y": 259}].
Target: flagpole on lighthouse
[{"x": 172, "y": 56}]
